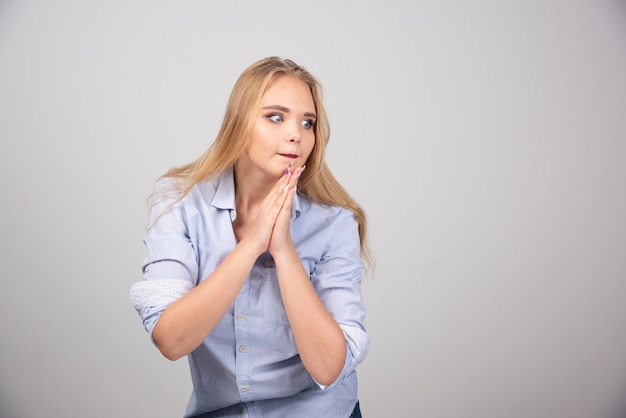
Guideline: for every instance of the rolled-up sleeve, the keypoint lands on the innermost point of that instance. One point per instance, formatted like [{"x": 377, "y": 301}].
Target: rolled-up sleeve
[
  {"x": 337, "y": 280},
  {"x": 170, "y": 267}
]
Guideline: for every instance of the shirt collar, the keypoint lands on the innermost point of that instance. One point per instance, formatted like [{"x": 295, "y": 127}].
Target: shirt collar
[{"x": 224, "y": 197}]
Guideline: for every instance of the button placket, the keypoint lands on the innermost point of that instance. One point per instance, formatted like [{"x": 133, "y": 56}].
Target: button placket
[{"x": 242, "y": 356}]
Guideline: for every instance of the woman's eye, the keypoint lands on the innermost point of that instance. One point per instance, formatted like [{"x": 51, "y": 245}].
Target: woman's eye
[
  {"x": 275, "y": 118},
  {"x": 307, "y": 123}
]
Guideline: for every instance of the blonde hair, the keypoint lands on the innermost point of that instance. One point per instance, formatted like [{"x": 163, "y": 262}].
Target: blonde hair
[{"x": 317, "y": 182}]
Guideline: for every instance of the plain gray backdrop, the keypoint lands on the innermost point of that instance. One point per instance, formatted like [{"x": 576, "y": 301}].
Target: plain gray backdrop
[{"x": 485, "y": 139}]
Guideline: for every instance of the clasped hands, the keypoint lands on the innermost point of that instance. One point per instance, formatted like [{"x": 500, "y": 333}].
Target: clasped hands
[{"x": 271, "y": 231}]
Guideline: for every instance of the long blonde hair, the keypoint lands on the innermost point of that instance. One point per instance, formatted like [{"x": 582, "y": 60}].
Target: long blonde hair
[{"x": 317, "y": 181}]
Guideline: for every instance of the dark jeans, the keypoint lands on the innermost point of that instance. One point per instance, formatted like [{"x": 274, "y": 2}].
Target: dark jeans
[{"x": 357, "y": 411}]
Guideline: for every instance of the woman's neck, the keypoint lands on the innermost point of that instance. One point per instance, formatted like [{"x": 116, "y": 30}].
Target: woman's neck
[{"x": 250, "y": 189}]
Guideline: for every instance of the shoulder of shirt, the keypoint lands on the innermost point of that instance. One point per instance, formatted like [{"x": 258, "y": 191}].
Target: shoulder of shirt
[
  {"x": 206, "y": 187},
  {"x": 167, "y": 189},
  {"x": 309, "y": 207}
]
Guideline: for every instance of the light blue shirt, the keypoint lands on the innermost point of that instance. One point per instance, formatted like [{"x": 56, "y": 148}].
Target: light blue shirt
[{"x": 250, "y": 364}]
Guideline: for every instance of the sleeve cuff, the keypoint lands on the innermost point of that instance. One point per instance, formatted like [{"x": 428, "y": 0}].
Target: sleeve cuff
[{"x": 160, "y": 292}]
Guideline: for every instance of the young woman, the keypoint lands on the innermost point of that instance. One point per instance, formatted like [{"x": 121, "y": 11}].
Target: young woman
[{"x": 255, "y": 255}]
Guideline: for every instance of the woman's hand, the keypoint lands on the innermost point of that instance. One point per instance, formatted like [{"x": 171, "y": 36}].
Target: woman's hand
[
  {"x": 271, "y": 229},
  {"x": 281, "y": 235}
]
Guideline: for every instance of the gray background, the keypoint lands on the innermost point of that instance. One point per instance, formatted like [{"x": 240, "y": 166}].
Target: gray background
[{"x": 486, "y": 140}]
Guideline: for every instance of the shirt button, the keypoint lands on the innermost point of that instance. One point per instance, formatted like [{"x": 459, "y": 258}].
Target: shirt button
[
  {"x": 242, "y": 348},
  {"x": 244, "y": 388},
  {"x": 240, "y": 316}
]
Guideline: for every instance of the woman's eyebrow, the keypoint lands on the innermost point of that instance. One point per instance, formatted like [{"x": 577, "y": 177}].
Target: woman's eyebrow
[{"x": 287, "y": 110}]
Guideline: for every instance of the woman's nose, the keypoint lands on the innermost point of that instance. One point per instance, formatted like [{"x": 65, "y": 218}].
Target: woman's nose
[{"x": 294, "y": 134}]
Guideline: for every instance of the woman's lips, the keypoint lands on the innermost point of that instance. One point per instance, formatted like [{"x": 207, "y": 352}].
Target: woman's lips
[{"x": 289, "y": 155}]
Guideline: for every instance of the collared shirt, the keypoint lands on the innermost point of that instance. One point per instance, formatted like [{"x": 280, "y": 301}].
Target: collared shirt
[{"x": 249, "y": 363}]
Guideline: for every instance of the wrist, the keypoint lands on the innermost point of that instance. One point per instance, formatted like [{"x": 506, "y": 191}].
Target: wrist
[
  {"x": 285, "y": 254},
  {"x": 251, "y": 247}
]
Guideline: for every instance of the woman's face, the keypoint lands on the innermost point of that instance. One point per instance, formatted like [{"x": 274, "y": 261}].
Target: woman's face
[{"x": 284, "y": 128}]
